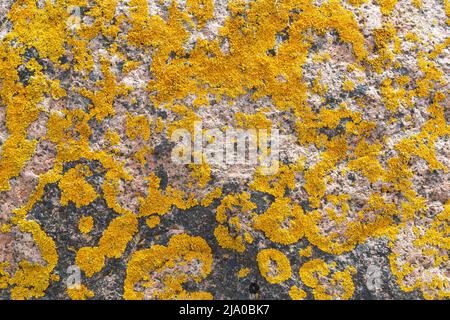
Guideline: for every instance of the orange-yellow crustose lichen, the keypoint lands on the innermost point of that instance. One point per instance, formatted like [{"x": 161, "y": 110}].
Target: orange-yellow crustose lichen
[
  {"x": 431, "y": 242},
  {"x": 355, "y": 231},
  {"x": 137, "y": 126},
  {"x": 80, "y": 293},
  {"x": 447, "y": 10},
  {"x": 282, "y": 222},
  {"x": 305, "y": 252},
  {"x": 316, "y": 275},
  {"x": 161, "y": 202},
  {"x": 211, "y": 196},
  {"x": 153, "y": 221},
  {"x": 4, "y": 275},
  {"x": 275, "y": 184},
  {"x": 243, "y": 272},
  {"x": 112, "y": 244},
  {"x": 387, "y": 6},
  {"x": 102, "y": 100},
  {"x": 74, "y": 187},
  {"x": 202, "y": 10},
  {"x": 201, "y": 172},
  {"x": 297, "y": 294},
  {"x": 348, "y": 85},
  {"x": 32, "y": 279},
  {"x": 234, "y": 215},
  {"x": 86, "y": 224},
  {"x": 185, "y": 256},
  {"x": 262, "y": 50},
  {"x": 274, "y": 265}
]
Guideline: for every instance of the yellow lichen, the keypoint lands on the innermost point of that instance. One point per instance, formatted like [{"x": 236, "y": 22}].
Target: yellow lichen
[
  {"x": 74, "y": 187},
  {"x": 234, "y": 215},
  {"x": 243, "y": 272},
  {"x": 112, "y": 244},
  {"x": 274, "y": 265},
  {"x": 81, "y": 293},
  {"x": 282, "y": 222},
  {"x": 182, "y": 250},
  {"x": 261, "y": 51},
  {"x": 316, "y": 275},
  {"x": 297, "y": 294},
  {"x": 86, "y": 224},
  {"x": 153, "y": 221}
]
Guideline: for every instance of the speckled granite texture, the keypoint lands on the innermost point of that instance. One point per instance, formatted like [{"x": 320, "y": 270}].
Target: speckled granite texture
[{"x": 93, "y": 205}]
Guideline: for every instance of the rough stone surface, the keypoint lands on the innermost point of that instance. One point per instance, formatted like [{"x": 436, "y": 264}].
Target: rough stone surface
[{"x": 93, "y": 204}]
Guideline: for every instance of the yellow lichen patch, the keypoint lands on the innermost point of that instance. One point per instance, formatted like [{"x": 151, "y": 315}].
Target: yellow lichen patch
[
  {"x": 387, "y": 6},
  {"x": 243, "y": 272},
  {"x": 234, "y": 215},
  {"x": 41, "y": 27},
  {"x": 439, "y": 48},
  {"x": 21, "y": 111},
  {"x": 74, "y": 187},
  {"x": 275, "y": 184},
  {"x": 161, "y": 202},
  {"x": 430, "y": 243},
  {"x": 86, "y": 224},
  {"x": 348, "y": 85},
  {"x": 355, "y": 231},
  {"x": 102, "y": 100},
  {"x": 81, "y": 293},
  {"x": 4, "y": 275},
  {"x": 112, "y": 137},
  {"x": 137, "y": 126},
  {"x": 32, "y": 279},
  {"x": 366, "y": 106},
  {"x": 316, "y": 275},
  {"x": 187, "y": 257},
  {"x": 201, "y": 172},
  {"x": 393, "y": 97},
  {"x": 15, "y": 152},
  {"x": 366, "y": 161},
  {"x": 282, "y": 222},
  {"x": 305, "y": 252},
  {"x": 297, "y": 294},
  {"x": 255, "y": 121},
  {"x": 211, "y": 196},
  {"x": 90, "y": 260},
  {"x": 5, "y": 228},
  {"x": 447, "y": 10},
  {"x": 202, "y": 10},
  {"x": 274, "y": 265},
  {"x": 315, "y": 184},
  {"x": 153, "y": 221},
  {"x": 112, "y": 244},
  {"x": 418, "y": 3},
  {"x": 383, "y": 37},
  {"x": 142, "y": 155}
]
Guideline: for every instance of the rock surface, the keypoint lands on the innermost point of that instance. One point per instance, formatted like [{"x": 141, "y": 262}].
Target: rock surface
[{"x": 355, "y": 201}]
